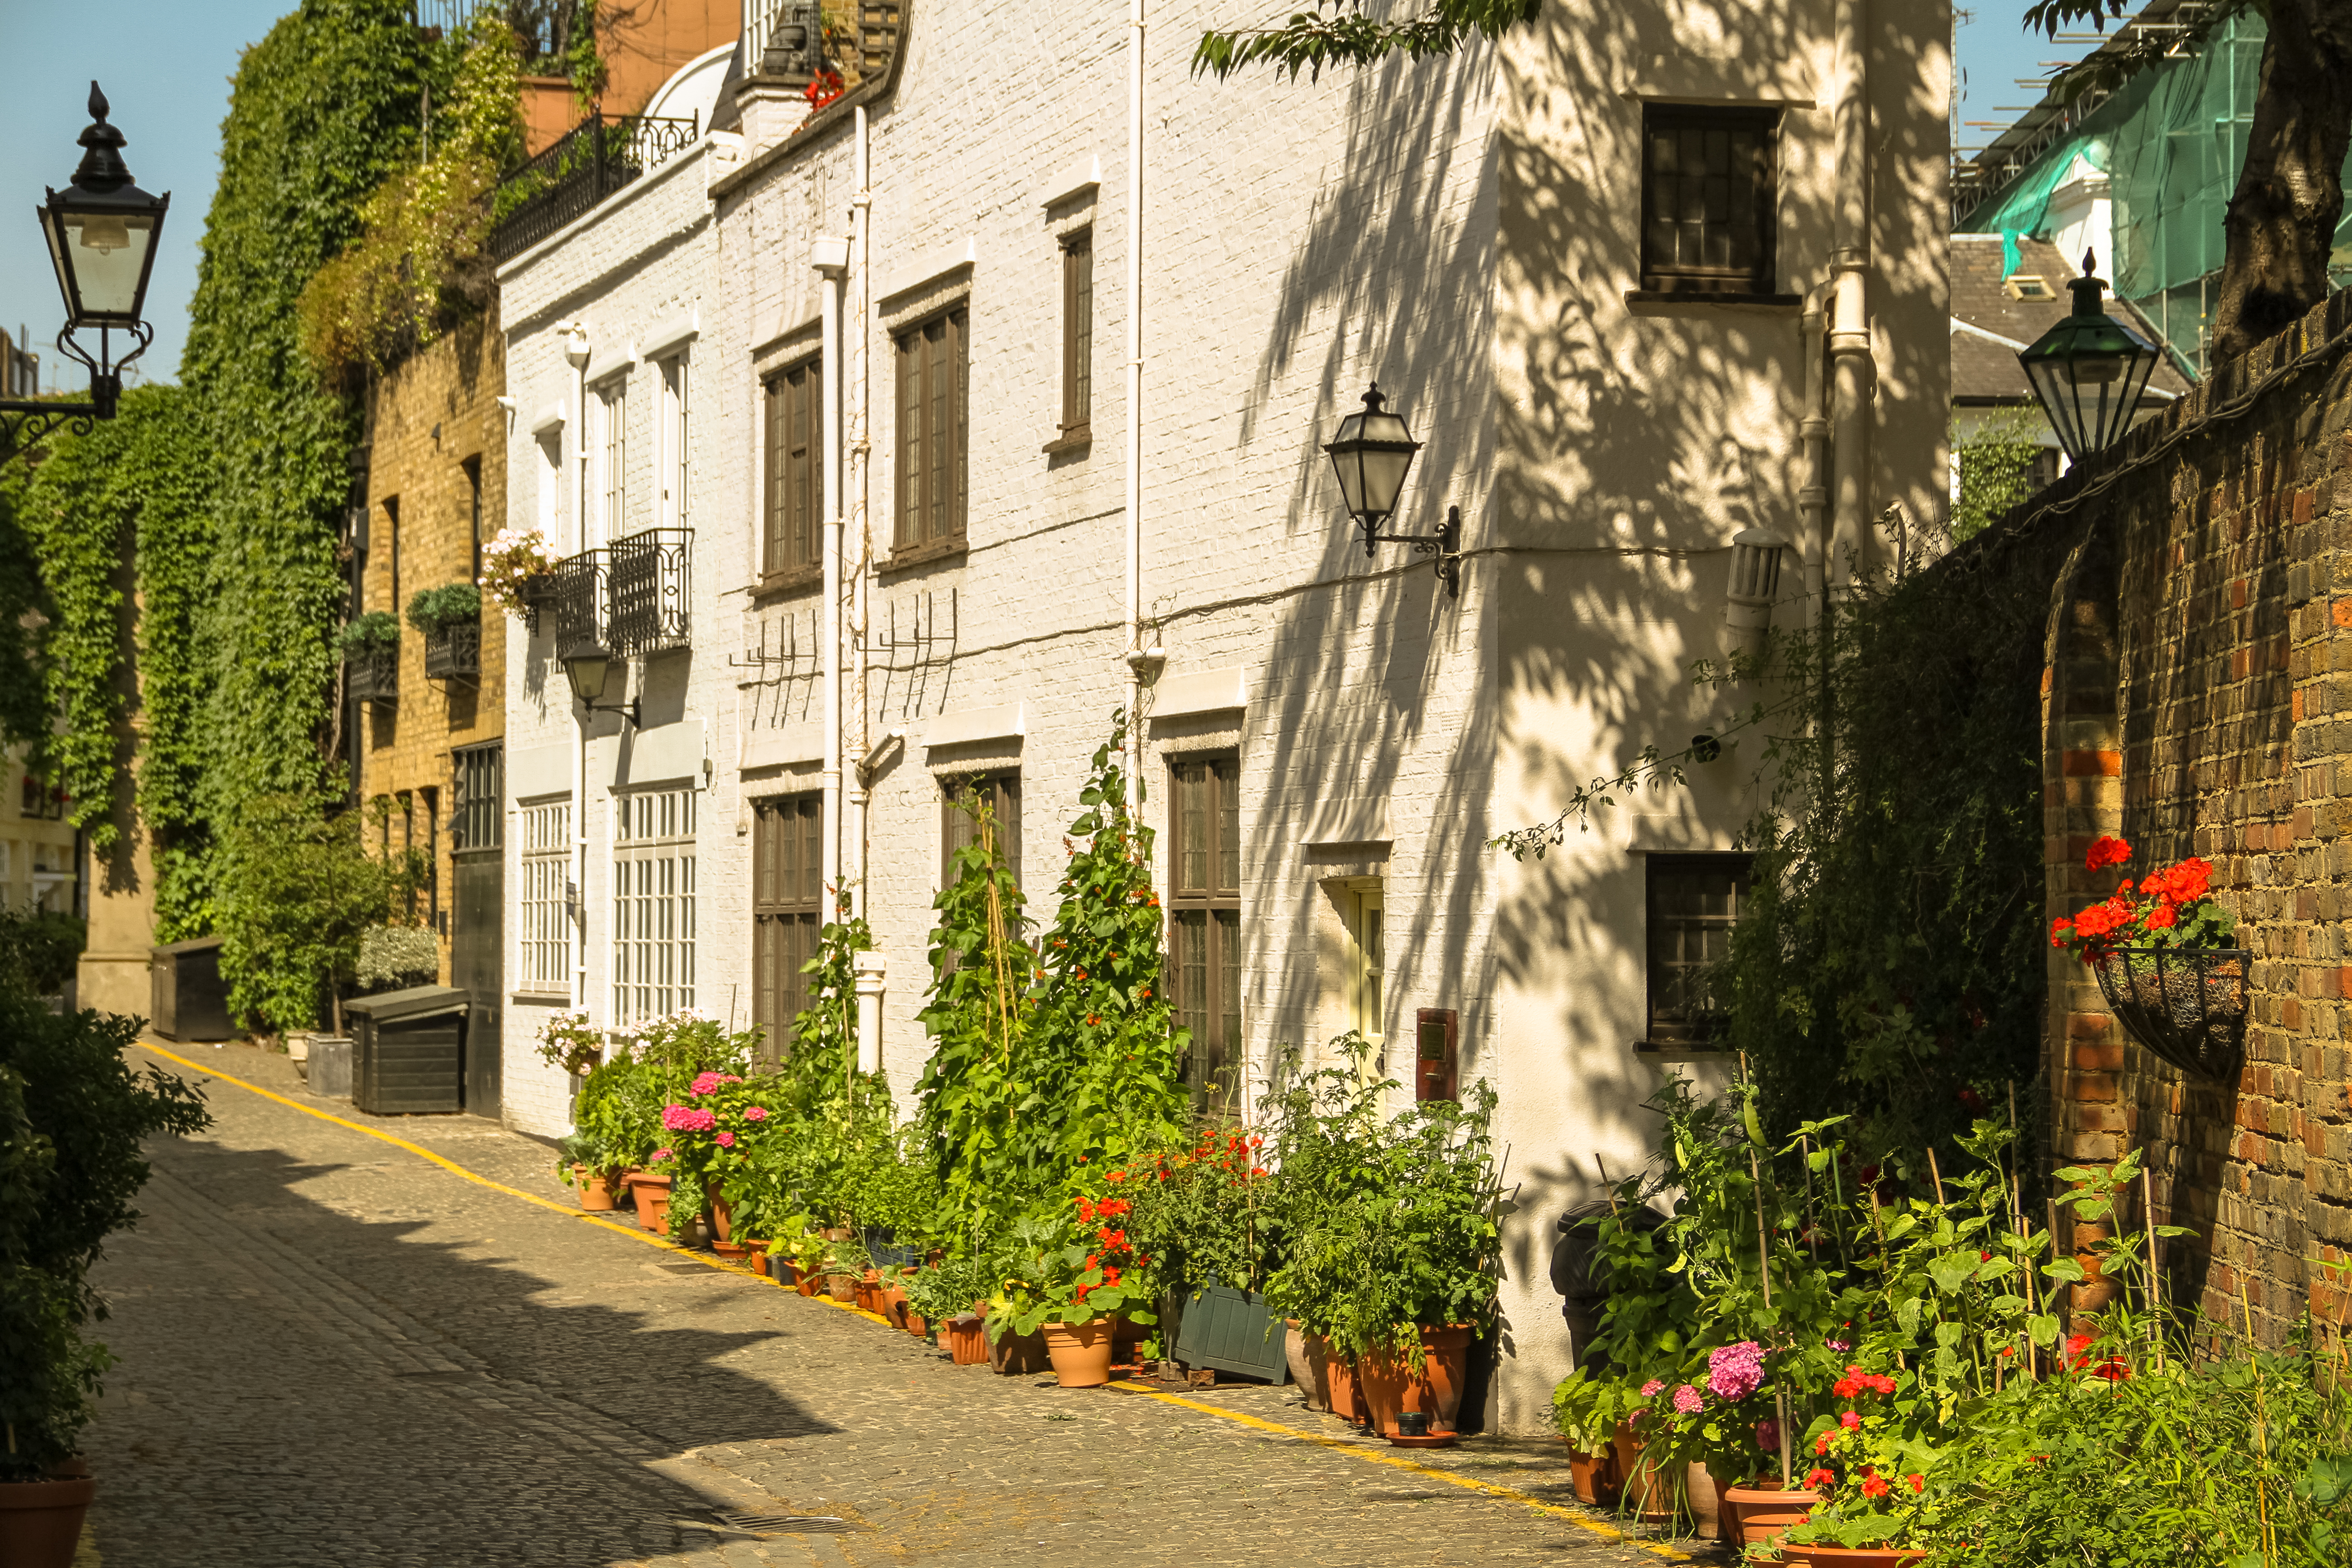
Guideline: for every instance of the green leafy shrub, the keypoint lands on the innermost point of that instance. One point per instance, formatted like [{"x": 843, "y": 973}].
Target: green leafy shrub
[
  {"x": 364, "y": 635},
  {"x": 39, "y": 951},
  {"x": 432, "y": 610},
  {"x": 299, "y": 890},
  {"x": 392, "y": 957}
]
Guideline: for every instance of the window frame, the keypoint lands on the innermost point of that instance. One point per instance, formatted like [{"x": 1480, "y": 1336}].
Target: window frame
[
  {"x": 1005, "y": 786},
  {"x": 673, "y": 442},
  {"x": 1077, "y": 338},
  {"x": 785, "y": 919},
  {"x": 1675, "y": 1031},
  {"x": 1761, "y": 277},
  {"x": 931, "y": 403},
  {"x": 545, "y": 901},
  {"x": 472, "y": 469},
  {"x": 790, "y": 480},
  {"x": 1214, "y": 1057},
  {"x": 612, "y": 485},
  {"x": 653, "y": 922}
]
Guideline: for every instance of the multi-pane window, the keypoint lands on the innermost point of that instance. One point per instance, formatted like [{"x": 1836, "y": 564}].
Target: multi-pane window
[
  {"x": 795, "y": 473},
  {"x": 1367, "y": 954},
  {"x": 787, "y": 910},
  {"x": 1707, "y": 199},
  {"x": 931, "y": 417},
  {"x": 473, "y": 470},
  {"x": 1693, "y": 902},
  {"x": 673, "y": 448},
  {"x": 653, "y": 905},
  {"x": 1077, "y": 334},
  {"x": 473, "y": 811},
  {"x": 613, "y": 461},
  {"x": 1204, "y": 908},
  {"x": 960, "y": 821},
  {"x": 546, "y": 901}
]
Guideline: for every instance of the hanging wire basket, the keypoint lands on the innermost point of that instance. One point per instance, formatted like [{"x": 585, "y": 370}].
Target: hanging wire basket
[{"x": 2187, "y": 1004}]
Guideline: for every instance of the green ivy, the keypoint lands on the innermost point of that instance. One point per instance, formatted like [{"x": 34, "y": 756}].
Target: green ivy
[{"x": 1997, "y": 462}]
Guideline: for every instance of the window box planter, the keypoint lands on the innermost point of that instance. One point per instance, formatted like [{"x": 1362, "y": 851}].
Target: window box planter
[
  {"x": 454, "y": 652},
  {"x": 373, "y": 674},
  {"x": 1233, "y": 1330},
  {"x": 2187, "y": 1006}
]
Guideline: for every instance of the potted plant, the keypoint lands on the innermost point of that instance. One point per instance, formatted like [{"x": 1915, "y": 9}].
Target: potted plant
[
  {"x": 846, "y": 1262},
  {"x": 1870, "y": 1468},
  {"x": 518, "y": 570},
  {"x": 449, "y": 618},
  {"x": 1068, "y": 1280},
  {"x": 370, "y": 649},
  {"x": 2161, "y": 951},
  {"x": 581, "y": 1162},
  {"x": 942, "y": 1295}
]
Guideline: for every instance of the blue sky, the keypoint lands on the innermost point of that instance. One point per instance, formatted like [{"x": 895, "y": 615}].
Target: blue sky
[{"x": 167, "y": 68}]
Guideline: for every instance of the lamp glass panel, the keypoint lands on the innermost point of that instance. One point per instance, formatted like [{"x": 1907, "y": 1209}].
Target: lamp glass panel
[
  {"x": 107, "y": 252},
  {"x": 2056, "y": 395},
  {"x": 587, "y": 671},
  {"x": 1384, "y": 471},
  {"x": 1350, "y": 469}
]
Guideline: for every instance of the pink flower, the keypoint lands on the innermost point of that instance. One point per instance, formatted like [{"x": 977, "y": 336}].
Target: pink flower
[
  {"x": 1687, "y": 1400},
  {"x": 687, "y": 1119},
  {"x": 726, "y": 1140},
  {"x": 661, "y": 1154},
  {"x": 1734, "y": 1371},
  {"x": 704, "y": 1083},
  {"x": 1651, "y": 1387},
  {"x": 1768, "y": 1435},
  {"x": 755, "y": 1113},
  {"x": 1849, "y": 1420}
]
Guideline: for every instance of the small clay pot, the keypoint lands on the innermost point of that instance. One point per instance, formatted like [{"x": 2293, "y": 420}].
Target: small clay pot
[
  {"x": 1080, "y": 1352},
  {"x": 650, "y": 1193},
  {"x": 595, "y": 1189}
]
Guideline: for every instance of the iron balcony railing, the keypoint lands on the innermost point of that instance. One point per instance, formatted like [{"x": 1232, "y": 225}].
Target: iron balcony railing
[
  {"x": 454, "y": 652},
  {"x": 595, "y": 158},
  {"x": 373, "y": 674},
  {"x": 576, "y": 606},
  {"x": 648, "y": 591}
]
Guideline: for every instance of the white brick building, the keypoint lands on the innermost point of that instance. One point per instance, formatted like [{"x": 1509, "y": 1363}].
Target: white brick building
[{"x": 1468, "y": 231}]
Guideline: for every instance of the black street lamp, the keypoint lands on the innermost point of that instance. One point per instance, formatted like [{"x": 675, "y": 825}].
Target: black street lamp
[
  {"x": 2089, "y": 369},
  {"x": 588, "y": 667},
  {"x": 102, "y": 230},
  {"x": 1371, "y": 453}
]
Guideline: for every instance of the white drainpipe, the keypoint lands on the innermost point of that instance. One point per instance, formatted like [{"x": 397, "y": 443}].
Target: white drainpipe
[
  {"x": 1134, "y": 761},
  {"x": 1855, "y": 373},
  {"x": 1813, "y": 429},
  {"x": 831, "y": 258},
  {"x": 575, "y": 349},
  {"x": 861, "y": 536}
]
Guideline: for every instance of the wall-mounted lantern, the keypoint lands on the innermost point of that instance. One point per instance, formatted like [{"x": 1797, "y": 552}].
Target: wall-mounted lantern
[
  {"x": 2089, "y": 369},
  {"x": 1371, "y": 454},
  {"x": 588, "y": 668}
]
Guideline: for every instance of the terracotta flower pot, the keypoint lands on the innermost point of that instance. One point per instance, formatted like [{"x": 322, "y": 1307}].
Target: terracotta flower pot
[
  {"x": 967, "y": 1343},
  {"x": 40, "y": 1521},
  {"x": 842, "y": 1288},
  {"x": 595, "y": 1189},
  {"x": 722, "y": 1221},
  {"x": 1392, "y": 1385},
  {"x": 1080, "y": 1352},
  {"x": 1705, "y": 1496},
  {"x": 869, "y": 1293},
  {"x": 1310, "y": 1365},
  {"x": 894, "y": 1304},
  {"x": 1017, "y": 1355},
  {"x": 802, "y": 1281},
  {"x": 650, "y": 1193},
  {"x": 917, "y": 1325},
  {"x": 1346, "y": 1397},
  {"x": 761, "y": 1264},
  {"x": 734, "y": 1251},
  {"x": 1852, "y": 1556},
  {"x": 1763, "y": 1510},
  {"x": 1646, "y": 1483},
  {"x": 1597, "y": 1479},
  {"x": 1445, "y": 1370}
]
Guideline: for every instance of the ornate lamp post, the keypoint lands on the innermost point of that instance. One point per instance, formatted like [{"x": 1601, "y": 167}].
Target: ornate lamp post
[
  {"x": 1371, "y": 454},
  {"x": 2089, "y": 369},
  {"x": 102, "y": 230}
]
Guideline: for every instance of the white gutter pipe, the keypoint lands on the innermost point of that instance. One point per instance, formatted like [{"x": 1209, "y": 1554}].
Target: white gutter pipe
[
  {"x": 1854, "y": 372},
  {"x": 1134, "y": 761},
  {"x": 861, "y": 449},
  {"x": 1813, "y": 431},
  {"x": 830, "y": 256},
  {"x": 575, "y": 349}
]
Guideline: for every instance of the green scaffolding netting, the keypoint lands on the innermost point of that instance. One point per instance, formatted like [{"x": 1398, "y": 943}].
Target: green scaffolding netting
[{"x": 2170, "y": 142}]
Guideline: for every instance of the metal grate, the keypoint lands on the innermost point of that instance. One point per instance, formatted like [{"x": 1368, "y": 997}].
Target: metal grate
[
  {"x": 646, "y": 590},
  {"x": 787, "y": 1523}
]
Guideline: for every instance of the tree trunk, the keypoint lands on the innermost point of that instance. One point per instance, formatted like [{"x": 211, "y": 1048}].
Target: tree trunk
[{"x": 2282, "y": 220}]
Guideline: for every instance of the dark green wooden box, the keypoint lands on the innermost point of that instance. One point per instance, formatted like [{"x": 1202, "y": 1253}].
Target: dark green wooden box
[
  {"x": 408, "y": 1051},
  {"x": 1231, "y": 1331}
]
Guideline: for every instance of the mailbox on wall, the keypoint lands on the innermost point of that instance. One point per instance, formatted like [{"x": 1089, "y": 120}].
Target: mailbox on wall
[{"x": 1437, "y": 1059}]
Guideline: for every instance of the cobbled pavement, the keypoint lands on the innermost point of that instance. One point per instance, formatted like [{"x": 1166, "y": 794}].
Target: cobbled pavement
[{"x": 333, "y": 1351}]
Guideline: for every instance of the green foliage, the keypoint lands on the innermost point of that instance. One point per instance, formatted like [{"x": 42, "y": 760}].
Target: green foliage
[
  {"x": 396, "y": 956},
  {"x": 1998, "y": 461},
  {"x": 364, "y": 635},
  {"x": 452, "y": 604},
  {"x": 73, "y": 1117},
  {"x": 1309, "y": 40},
  {"x": 949, "y": 1289},
  {"x": 26, "y": 613},
  {"x": 38, "y": 951},
  {"x": 299, "y": 891},
  {"x": 1206, "y": 1209}
]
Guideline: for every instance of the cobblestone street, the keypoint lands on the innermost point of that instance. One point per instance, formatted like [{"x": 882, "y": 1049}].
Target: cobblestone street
[{"x": 334, "y": 1350}]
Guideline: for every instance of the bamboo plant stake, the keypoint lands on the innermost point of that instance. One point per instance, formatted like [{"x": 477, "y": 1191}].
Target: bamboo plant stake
[
  {"x": 2155, "y": 1279},
  {"x": 1764, "y": 1274}
]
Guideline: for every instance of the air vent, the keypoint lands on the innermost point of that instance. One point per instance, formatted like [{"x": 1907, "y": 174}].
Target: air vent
[{"x": 2029, "y": 286}]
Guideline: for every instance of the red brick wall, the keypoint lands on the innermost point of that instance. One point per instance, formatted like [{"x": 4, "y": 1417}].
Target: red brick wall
[{"x": 2199, "y": 700}]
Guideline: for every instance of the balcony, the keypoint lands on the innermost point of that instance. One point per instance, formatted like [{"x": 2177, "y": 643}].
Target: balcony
[
  {"x": 575, "y": 606},
  {"x": 373, "y": 674},
  {"x": 594, "y": 159},
  {"x": 648, "y": 591},
  {"x": 454, "y": 652}
]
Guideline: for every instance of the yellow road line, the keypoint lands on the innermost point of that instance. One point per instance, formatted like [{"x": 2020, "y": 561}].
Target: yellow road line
[{"x": 1394, "y": 1461}]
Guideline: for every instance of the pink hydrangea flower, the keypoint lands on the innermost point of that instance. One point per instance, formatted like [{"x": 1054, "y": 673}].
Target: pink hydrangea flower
[
  {"x": 1687, "y": 1400},
  {"x": 1734, "y": 1371},
  {"x": 704, "y": 1083},
  {"x": 660, "y": 1154},
  {"x": 1651, "y": 1387},
  {"x": 755, "y": 1113},
  {"x": 726, "y": 1140},
  {"x": 687, "y": 1119}
]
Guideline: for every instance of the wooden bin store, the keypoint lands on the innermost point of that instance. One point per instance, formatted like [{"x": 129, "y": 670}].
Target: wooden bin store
[{"x": 408, "y": 1050}]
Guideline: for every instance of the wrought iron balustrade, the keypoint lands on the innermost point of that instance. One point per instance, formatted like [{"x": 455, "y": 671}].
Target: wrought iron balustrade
[
  {"x": 576, "y": 606},
  {"x": 454, "y": 652},
  {"x": 373, "y": 674},
  {"x": 595, "y": 158},
  {"x": 648, "y": 591}
]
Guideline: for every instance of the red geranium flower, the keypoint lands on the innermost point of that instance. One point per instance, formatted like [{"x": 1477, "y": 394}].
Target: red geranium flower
[
  {"x": 1873, "y": 1485},
  {"x": 2108, "y": 851}
]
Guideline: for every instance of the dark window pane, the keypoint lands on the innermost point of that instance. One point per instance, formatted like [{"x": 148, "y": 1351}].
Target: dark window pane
[{"x": 1695, "y": 902}]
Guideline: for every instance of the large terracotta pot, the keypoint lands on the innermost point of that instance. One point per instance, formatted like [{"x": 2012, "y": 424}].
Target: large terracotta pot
[
  {"x": 1763, "y": 1510},
  {"x": 894, "y": 1305},
  {"x": 1017, "y": 1355},
  {"x": 650, "y": 1193},
  {"x": 40, "y": 1521},
  {"x": 1595, "y": 1476},
  {"x": 1392, "y": 1385},
  {"x": 722, "y": 1220},
  {"x": 1647, "y": 1486},
  {"x": 1080, "y": 1352},
  {"x": 1705, "y": 1496},
  {"x": 869, "y": 1293},
  {"x": 1445, "y": 1370},
  {"x": 595, "y": 1189},
  {"x": 1347, "y": 1398},
  {"x": 966, "y": 1340},
  {"x": 843, "y": 1288},
  {"x": 1310, "y": 1366},
  {"x": 1852, "y": 1556}
]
